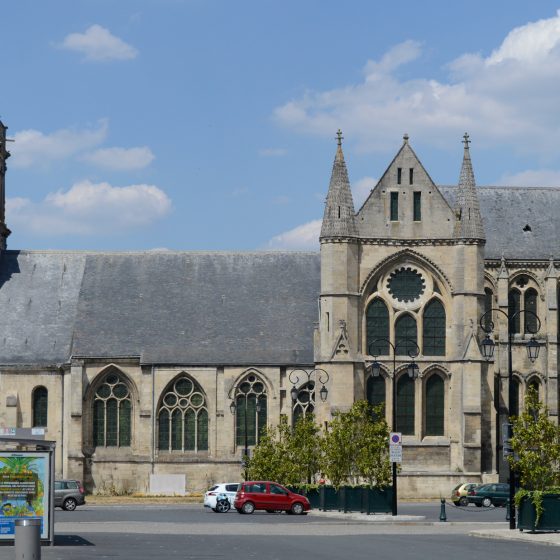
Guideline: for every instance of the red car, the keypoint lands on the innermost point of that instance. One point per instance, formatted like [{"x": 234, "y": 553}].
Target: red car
[{"x": 269, "y": 496}]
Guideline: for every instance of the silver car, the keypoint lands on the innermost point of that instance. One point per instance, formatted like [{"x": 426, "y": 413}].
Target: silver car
[{"x": 69, "y": 494}]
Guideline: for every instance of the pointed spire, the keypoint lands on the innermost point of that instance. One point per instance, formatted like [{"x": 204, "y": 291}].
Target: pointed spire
[
  {"x": 339, "y": 220},
  {"x": 467, "y": 209}
]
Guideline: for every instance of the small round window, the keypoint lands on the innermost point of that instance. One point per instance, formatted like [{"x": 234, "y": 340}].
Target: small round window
[{"x": 406, "y": 285}]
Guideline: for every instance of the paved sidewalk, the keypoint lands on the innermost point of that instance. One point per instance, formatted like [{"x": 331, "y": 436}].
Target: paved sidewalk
[{"x": 552, "y": 539}]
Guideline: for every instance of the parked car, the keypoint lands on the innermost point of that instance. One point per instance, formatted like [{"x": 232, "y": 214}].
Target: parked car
[
  {"x": 227, "y": 488},
  {"x": 459, "y": 494},
  {"x": 487, "y": 495},
  {"x": 69, "y": 494},
  {"x": 269, "y": 496}
]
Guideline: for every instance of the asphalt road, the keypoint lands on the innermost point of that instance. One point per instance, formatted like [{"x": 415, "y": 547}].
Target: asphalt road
[{"x": 191, "y": 532}]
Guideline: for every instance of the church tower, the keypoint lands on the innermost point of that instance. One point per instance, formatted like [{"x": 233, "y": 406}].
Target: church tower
[
  {"x": 337, "y": 346},
  {"x": 4, "y": 155}
]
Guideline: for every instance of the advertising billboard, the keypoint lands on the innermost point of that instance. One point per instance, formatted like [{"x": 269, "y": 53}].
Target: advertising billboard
[{"x": 24, "y": 490}]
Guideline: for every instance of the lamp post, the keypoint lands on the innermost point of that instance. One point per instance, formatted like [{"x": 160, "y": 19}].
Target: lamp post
[
  {"x": 315, "y": 375},
  {"x": 488, "y": 347},
  {"x": 233, "y": 410},
  {"x": 412, "y": 370}
]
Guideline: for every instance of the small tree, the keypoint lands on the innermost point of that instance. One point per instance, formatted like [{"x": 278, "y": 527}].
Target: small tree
[
  {"x": 356, "y": 446},
  {"x": 536, "y": 446},
  {"x": 304, "y": 444}
]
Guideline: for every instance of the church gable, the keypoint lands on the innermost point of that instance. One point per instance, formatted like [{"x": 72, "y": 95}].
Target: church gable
[{"x": 406, "y": 204}]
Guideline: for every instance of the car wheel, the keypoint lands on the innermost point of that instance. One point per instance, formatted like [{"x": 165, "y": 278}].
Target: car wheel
[
  {"x": 486, "y": 502},
  {"x": 248, "y": 508},
  {"x": 222, "y": 506},
  {"x": 69, "y": 504},
  {"x": 297, "y": 508},
  {"x": 463, "y": 501}
]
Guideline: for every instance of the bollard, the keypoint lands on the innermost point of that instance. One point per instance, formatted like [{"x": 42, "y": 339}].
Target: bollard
[
  {"x": 442, "y": 516},
  {"x": 28, "y": 539}
]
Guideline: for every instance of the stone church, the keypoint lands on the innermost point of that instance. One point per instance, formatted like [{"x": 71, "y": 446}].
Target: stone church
[{"x": 147, "y": 364}]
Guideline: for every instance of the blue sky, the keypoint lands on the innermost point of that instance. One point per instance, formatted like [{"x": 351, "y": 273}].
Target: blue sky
[{"x": 210, "y": 125}]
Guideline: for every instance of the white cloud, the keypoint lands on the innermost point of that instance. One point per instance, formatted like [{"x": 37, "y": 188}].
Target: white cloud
[
  {"x": 89, "y": 208},
  {"x": 121, "y": 159},
  {"x": 304, "y": 237},
  {"x": 532, "y": 178},
  {"x": 99, "y": 44},
  {"x": 361, "y": 190},
  {"x": 32, "y": 147},
  {"x": 272, "y": 152},
  {"x": 498, "y": 99}
]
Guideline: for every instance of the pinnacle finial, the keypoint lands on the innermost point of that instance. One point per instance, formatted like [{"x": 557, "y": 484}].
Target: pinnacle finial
[
  {"x": 466, "y": 140},
  {"x": 405, "y": 138},
  {"x": 339, "y": 137}
]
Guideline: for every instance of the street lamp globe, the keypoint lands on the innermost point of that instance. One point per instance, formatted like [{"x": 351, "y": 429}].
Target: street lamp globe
[
  {"x": 412, "y": 370},
  {"x": 232, "y": 407},
  {"x": 488, "y": 347},
  {"x": 294, "y": 393},
  {"x": 533, "y": 348},
  {"x": 376, "y": 369},
  {"x": 324, "y": 393}
]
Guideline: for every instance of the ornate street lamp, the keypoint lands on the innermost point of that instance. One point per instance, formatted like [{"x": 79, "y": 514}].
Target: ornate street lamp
[
  {"x": 488, "y": 346},
  {"x": 316, "y": 375},
  {"x": 412, "y": 370}
]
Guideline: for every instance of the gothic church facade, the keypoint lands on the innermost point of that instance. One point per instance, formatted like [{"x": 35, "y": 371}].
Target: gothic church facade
[{"x": 146, "y": 364}]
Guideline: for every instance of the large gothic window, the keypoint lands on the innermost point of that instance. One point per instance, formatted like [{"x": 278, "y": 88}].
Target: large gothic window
[
  {"x": 375, "y": 390},
  {"x": 40, "y": 406},
  {"x": 434, "y": 329},
  {"x": 514, "y": 305},
  {"x": 183, "y": 417},
  {"x": 405, "y": 335},
  {"x": 112, "y": 406},
  {"x": 250, "y": 410},
  {"x": 405, "y": 405},
  {"x": 530, "y": 305},
  {"x": 305, "y": 402},
  {"x": 377, "y": 327},
  {"x": 435, "y": 402}
]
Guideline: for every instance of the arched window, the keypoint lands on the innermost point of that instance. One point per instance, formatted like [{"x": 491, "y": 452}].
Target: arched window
[
  {"x": 514, "y": 405},
  {"x": 531, "y": 306},
  {"x": 488, "y": 305},
  {"x": 434, "y": 329},
  {"x": 514, "y": 305},
  {"x": 40, "y": 406},
  {"x": 435, "y": 405},
  {"x": 183, "y": 417},
  {"x": 112, "y": 412},
  {"x": 250, "y": 410},
  {"x": 405, "y": 405},
  {"x": 305, "y": 402},
  {"x": 377, "y": 327},
  {"x": 375, "y": 390},
  {"x": 405, "y": 334}
]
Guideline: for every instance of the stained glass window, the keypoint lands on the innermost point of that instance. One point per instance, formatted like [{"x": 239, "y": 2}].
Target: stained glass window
[
  {"x": 514, "y": 302},
  {"x": 406, "y": 285},
  {"x": 375, "y": 390},
  {"x": 531, "y": 306},
  {"x": 434, "y": 329},
  {"x": 434, "y": 405},
  {"x": 249, "y": 424},
  {"x": 377, "y": 327},
  {"x": 405, "y": 405},
  {"x": 183, "y": 417},
  {"x": 112, "y": 410},
  {"x": 40, "y": 406},
  {"x": 305, "y": 402},
  {"x": 405, "y": 335}
]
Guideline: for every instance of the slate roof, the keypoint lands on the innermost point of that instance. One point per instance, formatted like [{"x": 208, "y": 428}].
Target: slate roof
[
  {"x": 506, "y": 211},
  {"x": 165, "y": 307}
]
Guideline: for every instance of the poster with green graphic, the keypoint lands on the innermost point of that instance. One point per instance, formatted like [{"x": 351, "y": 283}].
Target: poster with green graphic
[{"x": 24, "y": 490}]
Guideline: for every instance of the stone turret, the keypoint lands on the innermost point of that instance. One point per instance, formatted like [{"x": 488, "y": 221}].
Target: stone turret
[
  {"x": 468, "y": 224},
  {"x": 339, "y": 218},
  {"x": 4, "y": 155}
]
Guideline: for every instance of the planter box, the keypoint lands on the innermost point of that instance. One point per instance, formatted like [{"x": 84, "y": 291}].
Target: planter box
[
  {"x": 312, "y": 495},
  {"x": 352, "y": 498},
  {"x": 550, "y": 517}
]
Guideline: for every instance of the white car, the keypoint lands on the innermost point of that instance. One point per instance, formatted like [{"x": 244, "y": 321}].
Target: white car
[{"x": 227, "y": 488}]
